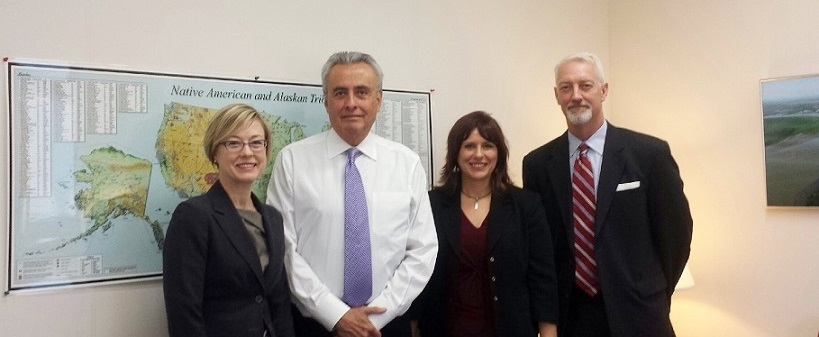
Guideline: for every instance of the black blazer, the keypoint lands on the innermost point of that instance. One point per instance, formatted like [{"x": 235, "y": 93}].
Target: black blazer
[
  {"x": 521, "y": 268},
  {"x": 213, "y": 280},
  {"x": 642, "y": 233}
]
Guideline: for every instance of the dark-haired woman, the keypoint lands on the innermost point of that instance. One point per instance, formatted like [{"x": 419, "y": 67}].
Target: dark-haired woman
[{"x": 494, "y": 275}]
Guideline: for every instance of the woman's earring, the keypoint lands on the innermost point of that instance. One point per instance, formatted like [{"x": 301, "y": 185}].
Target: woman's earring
[{"x": 455, "y": 169}]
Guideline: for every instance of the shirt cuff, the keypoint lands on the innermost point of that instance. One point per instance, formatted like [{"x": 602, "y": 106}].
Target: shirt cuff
[
  {"x": 381, "y": 320},
  {"x": 328, "y": 311}
]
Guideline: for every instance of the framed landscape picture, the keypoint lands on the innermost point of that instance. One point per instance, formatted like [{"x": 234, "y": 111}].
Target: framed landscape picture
[{"x": 790, "y": 119}]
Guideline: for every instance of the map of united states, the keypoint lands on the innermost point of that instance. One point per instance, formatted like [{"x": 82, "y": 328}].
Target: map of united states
[{"x": 182, "y": 159}]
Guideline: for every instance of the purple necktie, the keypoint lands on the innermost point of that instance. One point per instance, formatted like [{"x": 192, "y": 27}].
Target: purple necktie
[{"x": 358, "y": 282}]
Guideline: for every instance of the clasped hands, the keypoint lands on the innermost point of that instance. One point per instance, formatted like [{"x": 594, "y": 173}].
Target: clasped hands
[{"x": 356, "y": 323}]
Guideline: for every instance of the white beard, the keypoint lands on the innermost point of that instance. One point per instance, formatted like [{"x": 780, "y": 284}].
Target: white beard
[{"x": 580, "y": 117}]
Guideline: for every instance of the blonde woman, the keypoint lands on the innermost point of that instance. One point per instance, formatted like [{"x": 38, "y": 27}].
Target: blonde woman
[{"x": 223, "y": 256}]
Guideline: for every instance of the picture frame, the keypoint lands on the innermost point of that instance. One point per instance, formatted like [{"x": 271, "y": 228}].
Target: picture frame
[{"x": 790, "y": 119}]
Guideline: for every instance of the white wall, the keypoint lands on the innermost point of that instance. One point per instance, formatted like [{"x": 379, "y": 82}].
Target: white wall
[
  {"x": 689, "y": 71},
  {"x": 491, "y": 55},
  {"x": 686, "y": 71}
]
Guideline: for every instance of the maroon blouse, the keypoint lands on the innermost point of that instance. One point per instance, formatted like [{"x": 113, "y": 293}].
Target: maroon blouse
[{"x": 470, "y": 312}]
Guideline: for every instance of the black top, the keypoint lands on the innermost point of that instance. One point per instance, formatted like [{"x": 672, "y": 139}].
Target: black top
[
  {"x": 214, "y": 283},
  {"x": 519, "y": 263}
]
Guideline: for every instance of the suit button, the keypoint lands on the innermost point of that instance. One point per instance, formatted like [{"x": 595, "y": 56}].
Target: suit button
[
  {"x": 496, "y": 298},
  {"x": 259, "y": 298},
  {"x": 491, "y": 259},
  {"x": 493, "y": 279}
]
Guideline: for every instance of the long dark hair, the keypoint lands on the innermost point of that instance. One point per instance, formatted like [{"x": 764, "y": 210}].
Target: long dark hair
[{"x": 489, "y": 129}]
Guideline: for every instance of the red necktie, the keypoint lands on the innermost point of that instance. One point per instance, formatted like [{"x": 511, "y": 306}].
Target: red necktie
[{"x": 583, "y": 211}]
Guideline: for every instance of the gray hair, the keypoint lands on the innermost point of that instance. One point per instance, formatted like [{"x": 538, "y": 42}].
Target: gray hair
[
  {"x": 584, "y": 57},
  {"x": 349, "y": 57}
]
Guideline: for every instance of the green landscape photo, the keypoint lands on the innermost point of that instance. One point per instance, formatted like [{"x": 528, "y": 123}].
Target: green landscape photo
[{"x": 790, "y": 118}]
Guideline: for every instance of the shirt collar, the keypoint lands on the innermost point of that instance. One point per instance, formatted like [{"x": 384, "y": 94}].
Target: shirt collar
[
  {"x": 336, "y": 145},
  {"x": 595, "y": 142}
]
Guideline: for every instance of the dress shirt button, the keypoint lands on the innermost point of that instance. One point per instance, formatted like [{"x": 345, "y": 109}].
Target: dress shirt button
[
  {"x": 491, "y": 259},
  {"x": 496, "y": 298},
  {"x": 493, "y": 279},
  {"x": 259, "y": 298}
]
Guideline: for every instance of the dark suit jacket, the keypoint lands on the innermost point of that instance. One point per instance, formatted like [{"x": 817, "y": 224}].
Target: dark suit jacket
[
  {"x": 521, "y": 268},
  {"x": 642, "y": 235},
  {"x": 213, "y": 280}
]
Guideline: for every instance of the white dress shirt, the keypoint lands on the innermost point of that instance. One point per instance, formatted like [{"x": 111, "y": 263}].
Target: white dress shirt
[
  {"x": 596, "y": 143},
  {"x": 307, "y": 187}
]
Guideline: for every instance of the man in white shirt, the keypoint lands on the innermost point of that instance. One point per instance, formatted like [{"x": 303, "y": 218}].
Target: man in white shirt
[{"x": 308, "y": 187}]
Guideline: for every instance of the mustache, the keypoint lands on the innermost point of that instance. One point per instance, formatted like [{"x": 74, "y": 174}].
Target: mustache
[{"x": 579, "y": 104}]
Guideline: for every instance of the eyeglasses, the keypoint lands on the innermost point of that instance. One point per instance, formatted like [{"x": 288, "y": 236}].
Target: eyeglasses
[{"x": 236, "y": 146}]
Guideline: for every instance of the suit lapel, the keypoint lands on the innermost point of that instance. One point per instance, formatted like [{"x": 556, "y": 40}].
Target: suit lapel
[
  {"x": 499, "y": 212},
  {"x": 610, "y": 173},
  {"x": 557, "y": 165},
  {"x": 231, "y": 224},
  {"x": 451, "y": 222}
]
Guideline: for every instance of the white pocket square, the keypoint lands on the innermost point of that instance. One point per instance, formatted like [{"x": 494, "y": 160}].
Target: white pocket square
[{"x": 628, "y": 186}]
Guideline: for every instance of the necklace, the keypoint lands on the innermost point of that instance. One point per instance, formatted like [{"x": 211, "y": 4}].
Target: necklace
[{"x": 476, "y": 198}]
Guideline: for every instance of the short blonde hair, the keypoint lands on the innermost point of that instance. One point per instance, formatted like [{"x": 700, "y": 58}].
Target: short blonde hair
[{"x": 225, "y": 123}]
